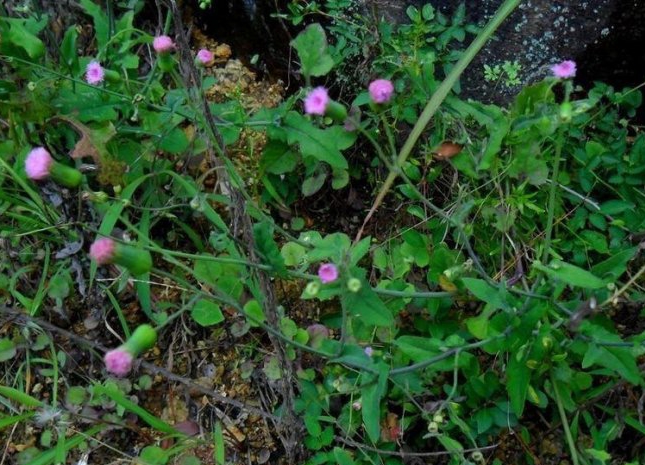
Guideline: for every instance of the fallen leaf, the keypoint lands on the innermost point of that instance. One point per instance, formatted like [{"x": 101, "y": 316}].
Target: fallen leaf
[{"x": 447, "y": 150}]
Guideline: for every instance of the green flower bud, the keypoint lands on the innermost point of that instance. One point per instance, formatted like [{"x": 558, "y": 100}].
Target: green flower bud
[
  {"x": 143, "y": 339},
  {"x": 532, "y": 364},
  {"x": 65, "y": 175},
  {"x": 566, "y": 110},
  {"x": 438, "y": 418},
  {"x": 312, "y": 288},
  {"x": 137, "y": 260},
  {"x": 166, "y": 62},
  {"x": 354, "y": 284},
  {"x": 433, "y": 427}
]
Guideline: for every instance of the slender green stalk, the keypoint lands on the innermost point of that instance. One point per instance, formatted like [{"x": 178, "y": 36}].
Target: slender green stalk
[
  {"x": 551, "y": 207},
  {"x": 565, "y": 423}
]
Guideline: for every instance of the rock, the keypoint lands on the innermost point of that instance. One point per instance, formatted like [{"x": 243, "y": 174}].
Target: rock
[{"x": 605, "y": 38}]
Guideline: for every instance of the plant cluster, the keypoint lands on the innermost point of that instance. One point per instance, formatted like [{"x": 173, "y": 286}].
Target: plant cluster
[{"x": 501, "y": 295}]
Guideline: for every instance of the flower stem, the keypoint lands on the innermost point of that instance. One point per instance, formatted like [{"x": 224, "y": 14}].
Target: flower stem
[
  {"x": 565, "y": 423},
  {"x": 551, "y": 207}
]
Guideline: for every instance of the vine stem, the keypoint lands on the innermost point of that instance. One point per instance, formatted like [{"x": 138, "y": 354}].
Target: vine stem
[
  {"x": 437, "y": 99},
  {"x": 565, "y": 423}
]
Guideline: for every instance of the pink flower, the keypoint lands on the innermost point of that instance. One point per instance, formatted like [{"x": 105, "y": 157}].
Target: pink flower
[
  {"x": 163, "y": 44},
  {"x": 381, "y": 90},
  {"x": 564, "y": 70},
  {"x": 118, "y": 362},
  {"x": 38, "y": 164},
  {"x": 205, "y": 57},
  {"x": 327, "y": 273},
  {"x": 102, "y": 250},
  {"x": 316, "y": 102},
  {"x": 94, "y": 73}
]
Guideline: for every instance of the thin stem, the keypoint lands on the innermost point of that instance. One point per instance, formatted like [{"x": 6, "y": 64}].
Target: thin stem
[
  {"x": 551, "y": 207},
  {"x": 565, "y": 423}
]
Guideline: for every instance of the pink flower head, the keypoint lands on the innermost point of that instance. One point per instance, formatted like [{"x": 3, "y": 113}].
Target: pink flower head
[
  {"x": 38, "y": 164},
  {"x": 102, "y": 250},
  {"x": 381, "y": 90},
  {"x": 205, "y": 57},
  {"x": 328, "y": 273},
  {"x": 94, "y": 73},
  {"x": 118, "y": 362},
  {"x": 316, "y": 102},
  {"x": 163, "y": 44},
  {"x": 564, "y": 70}
]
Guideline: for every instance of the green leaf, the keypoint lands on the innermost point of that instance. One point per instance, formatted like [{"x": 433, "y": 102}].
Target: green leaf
[
  {"x": 206, "y": 313},
  {"x": 254, "y": 310},
  {"x": 225, "y": 277},
  {"x": 174, "y": 142},
  {"x": 340, "y": 178},
  {"x": 617, "y": 359},
  {"x": 366, "y": 306},
  {"x": 313, "y": 184},
  {"x": 311, "y": 45},
  {"x": 101, "y": 24},
  {"x": 22, "y": 32},
  {"x": 372, "y": 395},
  {"x": 266, "y": 245},
  {"x": 343, "y": 457},
  {"x": 571, "y": 274},
  {"x": 518, "y": 378},
  {"x": 612, "y": 268},
  {"x": 153, "y": 455},
  {"x": 293, "y": 253},
  {"x": 68, "y": 51},
  {"x": 7, "y": 349},
  {"x": 485, "y": 292},
  {"x": 322, "y": 144}
]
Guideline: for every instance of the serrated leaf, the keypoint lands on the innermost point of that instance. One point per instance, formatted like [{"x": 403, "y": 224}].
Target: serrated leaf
[
  {"x": 266, "y": 245},
  {"x": 22, "y": 32},
  {"x": 312, "y": 48},
  {"x": 322, "y": 144}
]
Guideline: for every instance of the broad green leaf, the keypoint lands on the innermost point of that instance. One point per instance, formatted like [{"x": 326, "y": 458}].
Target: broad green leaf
[
  {"x": 313, "y": 184},
  {"x": 343, "y": 457},
  {"x": 22, "y": 33},
  {"x": 7, "y": 349},
  {"x": 372, "y": 395},
  {"x": 617, "y": 359},
  {"x": 255, "y": 313},
  {"x": 571, "y": 274},
  {"x": 153, "y": 455},
  {"x": 311, "y": 45},
  {"x": 225, "y": 277},
  {"x": 293, "y": 253},
  {"x": 206, "y": 313},
  {"x": 485, "y": 292},
  {"x": 322, "y": 144},
  {"x": 366, "y": 306},
  {"x": 612, "y": 268},
  {"x": 101, "y": 24},
  {"x": 174, "y": 141},
  {"x": 68, "y": 51},
  {"x": 266, "y": 245},
  {"x": 518, "y": 378}
]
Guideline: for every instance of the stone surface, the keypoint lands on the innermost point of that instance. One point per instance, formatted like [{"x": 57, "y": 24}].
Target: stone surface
[{"x": 605, "y": 37}]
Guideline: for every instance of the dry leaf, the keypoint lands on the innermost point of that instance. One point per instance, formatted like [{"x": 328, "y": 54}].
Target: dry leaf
[{"x": 447, "y": 150}]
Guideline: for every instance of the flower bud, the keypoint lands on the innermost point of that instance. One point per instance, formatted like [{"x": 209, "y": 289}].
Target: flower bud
[
  {"x": 312, "y": 288},
  {"x": 40, "y": 165},
  {"x": 433, "y": 427},
  {"x": 106, "y": 250},
  {"x": 354, "y": 284},
  {"x": 143, "y": 339},
  {"x": 566, "y": 110}
]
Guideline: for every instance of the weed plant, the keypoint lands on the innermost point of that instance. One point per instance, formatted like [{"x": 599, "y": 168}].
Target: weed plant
[{"x": 503, "y": 300}]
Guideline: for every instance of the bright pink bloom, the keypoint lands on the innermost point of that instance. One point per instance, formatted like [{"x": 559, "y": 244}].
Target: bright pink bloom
[
  {"x": 316, "y": 101},
  {"x": 118, "y": 362},
  {"x": 327, "y": 273},
  {"x": 381, "y": 90},
  {"x": 102, "y": 250},
  {"x": 163, "y": 44},
  {"x": 564, "y": 70},
  {"x": 94, "y": 73},
  {"x": 38, "y": 164},
  {"x": 205, "y": 57}
]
